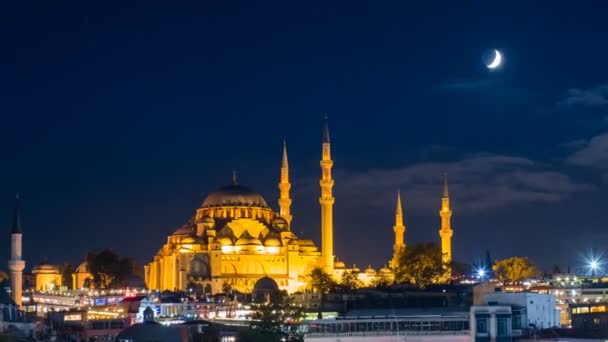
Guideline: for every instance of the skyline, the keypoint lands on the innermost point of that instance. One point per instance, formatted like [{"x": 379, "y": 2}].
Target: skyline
[{"x": 116, "y": 126}]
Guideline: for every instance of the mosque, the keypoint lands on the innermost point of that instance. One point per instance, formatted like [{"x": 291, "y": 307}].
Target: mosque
[{"x": 235, "y": 240}]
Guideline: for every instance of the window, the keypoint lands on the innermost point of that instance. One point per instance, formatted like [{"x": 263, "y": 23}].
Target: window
[
  {"x": 502, "y": 327},
  {"x": 482, "y": 325},
  {"x": 516, "y": 323}
]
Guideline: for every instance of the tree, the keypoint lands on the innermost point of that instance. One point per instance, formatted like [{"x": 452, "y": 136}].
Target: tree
[
  {"x": 461, "y": 269},
  {"x": 381, "y": 282},
  {"x": 420, "y": 265},
  {"x": 350, "y": 281},
  {"x": 109, "y": 270},
  {"x": 514, "y": 269},
  {"x": 66, "y": 269},
  {"x": 274, "y": 320},
  {"x": 322, "y": 283},
  {"x": 4, "y": 280}
]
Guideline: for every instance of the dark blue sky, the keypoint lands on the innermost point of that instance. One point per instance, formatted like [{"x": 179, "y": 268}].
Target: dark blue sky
[{"x": 116, "y": 121}]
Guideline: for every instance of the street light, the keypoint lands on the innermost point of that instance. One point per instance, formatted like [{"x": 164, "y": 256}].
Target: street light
[
  {"x": 481, "y": 272},
  {"x": 593, "y": 263}
]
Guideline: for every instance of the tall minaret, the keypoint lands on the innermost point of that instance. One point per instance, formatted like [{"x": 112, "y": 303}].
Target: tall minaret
[
  {"x": 446, "y": 231},
  {"x": 284, "y": 187},
  {"x": 16, "y": 264},
  {"x": 327, "y": 202},
  {"x": 399, "y": 229}
]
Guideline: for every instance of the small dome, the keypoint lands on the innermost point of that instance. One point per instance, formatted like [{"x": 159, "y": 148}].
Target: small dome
[
  {"x": 370, "y": 270},
  {"x": 234, "y": 195},
  {"x": 225, "y": 241},
  {"x": 45, "y": 267},
  {"x": 306, "y": 243},
  {"x": 188, "y": 239},
  {"x": 385, "y": 270},
  {"x": 272, "y": 242},
  {"x": 339, "y": 264},
  {"x": 82, "y": 268},
  {"x": 248, "y": 241}
]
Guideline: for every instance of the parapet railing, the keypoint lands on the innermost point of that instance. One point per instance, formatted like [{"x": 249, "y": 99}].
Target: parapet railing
[{"x": 388, "y": 333}]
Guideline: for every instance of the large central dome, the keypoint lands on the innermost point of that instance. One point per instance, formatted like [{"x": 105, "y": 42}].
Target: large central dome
[{"x": 234, "y": 195}]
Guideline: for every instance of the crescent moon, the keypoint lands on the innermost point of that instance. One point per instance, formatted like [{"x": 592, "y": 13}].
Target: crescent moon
[{"x": 497, "y": 60}]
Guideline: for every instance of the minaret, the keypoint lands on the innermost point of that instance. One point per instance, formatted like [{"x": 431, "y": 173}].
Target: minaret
[
  {"x": 16, "y": 264},
  {"x": 284, "y": 187},
  {"x": 399, "y": 229},
  {"x": 327, "y": 202},
  {"x": 446, "y": 226}
]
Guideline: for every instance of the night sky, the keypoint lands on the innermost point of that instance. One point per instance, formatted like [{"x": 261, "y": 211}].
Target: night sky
[{"x": 117, "y": 121}]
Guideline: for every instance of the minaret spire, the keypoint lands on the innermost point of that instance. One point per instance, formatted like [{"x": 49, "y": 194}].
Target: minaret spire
[
  {"x": 446, "y": 231},
  {"x": 326, "y": 130},
  {"x": 399, "y": 229},
  {"x": 16, "y": 227},
  {"x": 284, "y": 187},
  {"x": 16, "y": 263},
  {"x": 234, "y": 180},
  {"x": 327, "y": 202},
  {"x": 399, "y": 210}
]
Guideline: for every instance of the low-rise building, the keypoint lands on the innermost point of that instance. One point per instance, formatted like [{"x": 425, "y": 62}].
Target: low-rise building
[
  {"x": 539, "y": 309},
  {"x": 590, "y": 318},
  {"x": 12, "y": 320},
  {"x": 491, "y": 323}
]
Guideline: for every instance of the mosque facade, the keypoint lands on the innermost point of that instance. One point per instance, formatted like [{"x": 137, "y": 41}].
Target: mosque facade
[{"x": 235, "y": 240}]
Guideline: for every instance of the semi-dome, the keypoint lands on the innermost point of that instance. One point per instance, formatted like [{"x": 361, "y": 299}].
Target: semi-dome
[{"x": 234, "y": 195}]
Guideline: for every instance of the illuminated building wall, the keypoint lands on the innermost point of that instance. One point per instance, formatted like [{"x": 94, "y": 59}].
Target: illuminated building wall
[
  {"x": 80, "y": 276},
  {"x": 46, "y": 277}
]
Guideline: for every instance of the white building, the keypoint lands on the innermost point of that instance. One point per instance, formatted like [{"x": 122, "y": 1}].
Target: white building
[
  {"x": 540, "y": 311},
  {"x": 491, "y": 322}
]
